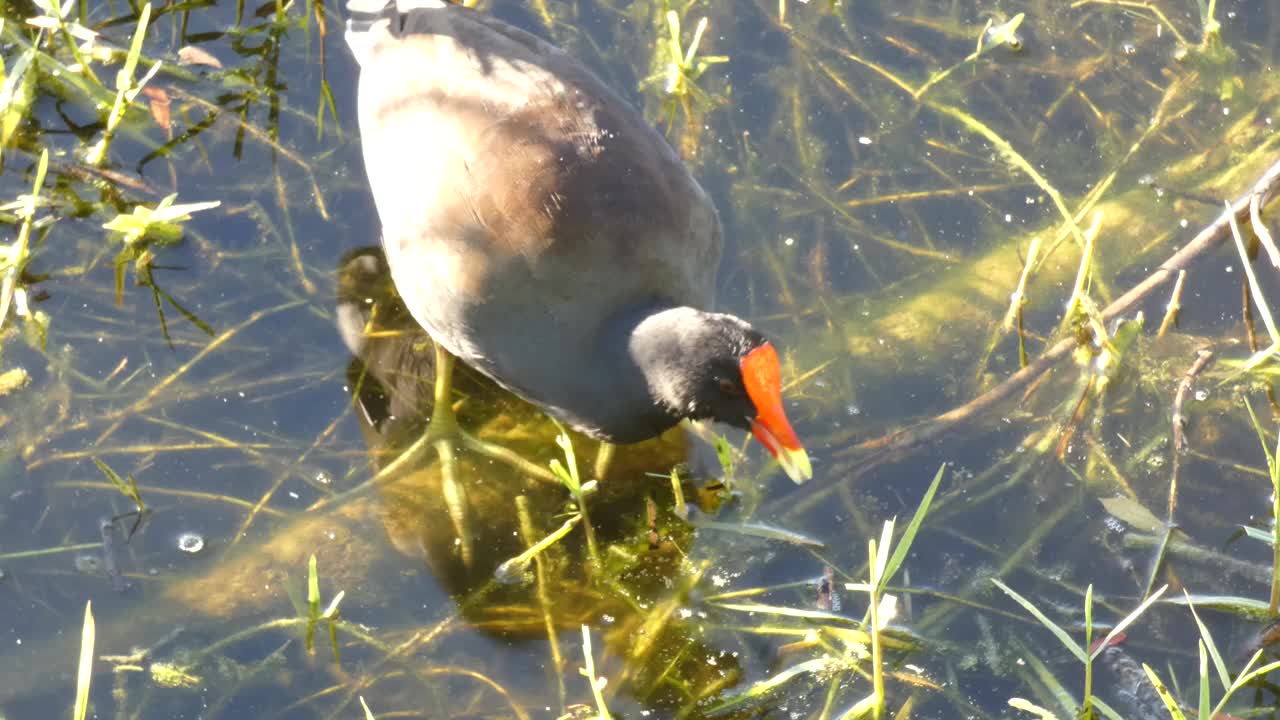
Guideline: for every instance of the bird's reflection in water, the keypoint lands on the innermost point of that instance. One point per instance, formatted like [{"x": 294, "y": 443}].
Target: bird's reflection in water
[{"x": 391, "y": 380}]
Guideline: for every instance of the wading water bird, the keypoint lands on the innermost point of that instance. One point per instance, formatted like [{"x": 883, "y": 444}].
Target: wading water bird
[{"x": 542, "y": 231}]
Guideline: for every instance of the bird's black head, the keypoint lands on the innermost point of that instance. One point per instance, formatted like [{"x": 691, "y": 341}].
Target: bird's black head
[{"x": 702, "y": 365}]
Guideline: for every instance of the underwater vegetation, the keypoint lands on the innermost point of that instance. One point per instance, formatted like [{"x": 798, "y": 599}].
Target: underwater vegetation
[{"x": 1020, "y": 255}]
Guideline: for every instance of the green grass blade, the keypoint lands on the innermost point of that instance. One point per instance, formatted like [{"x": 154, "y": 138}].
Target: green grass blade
[
  {"x": 759, "y": 530},
  {"x": 1262, "y": 434},
  {"x": 1248, "y": 677},
  {"x": 1128, "y": 620},
  {"x": 1088, "y": 643},
  {"x": 1254, "y": 533},
  {"x": 909, "y": 535},
  {"x": 1107, "y": 711},
  {"x": 1028, "y": 706},
  {"x": 783, "y": 611},
  {"x": 313, "y": 587},
  {"x": 1053, "y": 627},
  {"x": 1245, "y": 678},
  {"x": 589, "y": 671},
  {"x": 861, "y": 709},
  {"x": 125, "y": 79},
  {"x": 85, "y": 672},
  {"x": 673, "y": 25},
  {"x": 1255, "y": 290},
  {"x": 1170, "y": 703},
  {"x": 1248, "y": 608},
  {"x": 1202, "y": 710},
  {"x": 111, "y": 475},
  {"x": 1223, "y": 675},
  {"x": 764, "y": 687},
  {"x": 692, "y": 52},
  {"x": 881, "y": 557},
  {"x": 313, "y": 602}
]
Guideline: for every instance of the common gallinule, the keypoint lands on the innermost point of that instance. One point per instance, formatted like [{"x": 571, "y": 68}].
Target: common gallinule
[{"x": 540, "y": 230}]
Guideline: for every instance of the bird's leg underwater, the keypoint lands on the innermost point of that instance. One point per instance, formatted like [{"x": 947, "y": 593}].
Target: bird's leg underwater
[
  {"x": 444, "y": 434},
  {"x": 603, "y": 457}
]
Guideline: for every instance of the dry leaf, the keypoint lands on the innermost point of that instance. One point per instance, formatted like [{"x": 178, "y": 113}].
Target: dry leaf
[
  {"x": 1133, "y": 514},
  {"x": 158, "y": 100},
  {"x": 192, "y": 55}
]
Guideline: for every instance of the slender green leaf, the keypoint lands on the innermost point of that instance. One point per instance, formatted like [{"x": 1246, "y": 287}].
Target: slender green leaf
[
  {"x": 1262, "y": 434},
  {"x": 860, "y": 709},
  {"x": 1088, "y": 643},
  {"x": 16, "y": 95},
  {"x": 1240, "y": 606},
  {"x": 1028, "y": 706},
  {"x": 764, "y": 687},
  {"x": 1246, "y": 676},
  {"x": 124, "y": 79},
  {"x": 1254, "y": 533},
  {"x": 313, "y": 602},
  {"x": 1223, "y": 675},
  {"x": 1202, "y": 710},
  {"x": 1107, "y": 710},
  {"x": 313, "y": 586},
  {"x": 881, "y": 557},
  {"x": 1170, "y": 703},
  {"x": 788, "y": 612},
  {"x": 84, "y": 675},
  {"x": 909, "y": 535},
  {"x": 759, "y": 530},
  {"x": 1128, "y": 620},
  {"x": 589, "y": 672},
  {"x": 1053, "y": 627}
]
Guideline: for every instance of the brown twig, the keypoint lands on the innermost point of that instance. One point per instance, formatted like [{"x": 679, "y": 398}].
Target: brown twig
[
  {"x": 1174, "y": 306},
  {"x": 877, "y": 451},
  {"x": 1203, "y": 356}
]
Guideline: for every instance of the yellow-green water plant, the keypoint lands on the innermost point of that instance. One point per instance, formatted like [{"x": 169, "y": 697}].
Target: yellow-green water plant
[
  {"x": 16, "y": 92},
  {"x": 79, "y": 39},
  {"x": 1259, "y": 301},
  {"x": 127, "y": 486},
  {"x": 847, "y": 645},
  {"x": 516, "y": 570},
  {"x": 1208, "y": 650},
  {"x": 315, "y": 615},
  {"x": 724, "y": 454},
  {"x": 139, "y": 230},
  {"x": 127, "y": 88},
  {"x": 567, "y": 474},
  {"x": 1273, "y": 473},
  {"x": 1089, "y": 651},
  {"x": 994, "y": 35},
  {"x": 15, "y": 256},
  {"x": 588, "y": 670},
  {"x": 84, "y": 671},
  {"x": 881, "y": 607},
  {"x": 680, "y": 73}
]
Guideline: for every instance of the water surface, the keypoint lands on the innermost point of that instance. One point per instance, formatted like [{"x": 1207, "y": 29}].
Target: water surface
[{"x": 875, "y": 231}]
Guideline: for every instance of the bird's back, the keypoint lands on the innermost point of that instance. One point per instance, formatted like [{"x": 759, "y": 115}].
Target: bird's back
[{"x": 523, "y": 203}]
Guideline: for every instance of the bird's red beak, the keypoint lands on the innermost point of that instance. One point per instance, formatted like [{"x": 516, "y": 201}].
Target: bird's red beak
[{"x": 763, "y": 380}]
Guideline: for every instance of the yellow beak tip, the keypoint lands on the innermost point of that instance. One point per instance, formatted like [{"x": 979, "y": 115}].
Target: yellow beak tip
[{"x": 795, "y": 463}]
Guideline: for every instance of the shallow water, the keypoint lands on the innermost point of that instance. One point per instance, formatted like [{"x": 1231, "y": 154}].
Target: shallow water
[{"x": 877, "y": 236}]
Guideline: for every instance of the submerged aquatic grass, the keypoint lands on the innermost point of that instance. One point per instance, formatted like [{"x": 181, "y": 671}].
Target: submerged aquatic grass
[
  {"x": 1089, "y": 651},
  {"x": 886, "y": 180},
  {"x": 1208, "y": 649}
]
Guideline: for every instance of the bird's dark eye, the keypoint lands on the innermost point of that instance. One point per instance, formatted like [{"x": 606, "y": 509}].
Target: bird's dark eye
[{"x": 729, "y": 387}]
